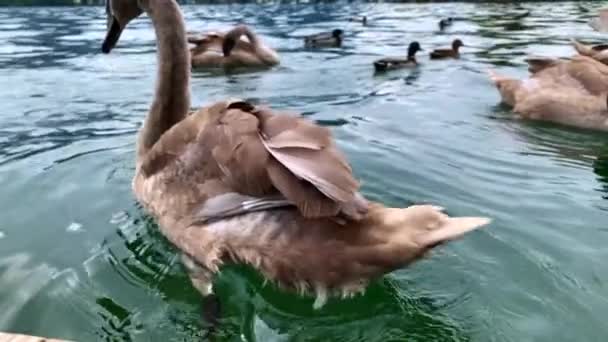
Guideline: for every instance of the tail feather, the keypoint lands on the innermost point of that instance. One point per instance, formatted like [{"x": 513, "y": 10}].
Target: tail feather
[
  {"x": 451, "y": 229},
  {"x": 507, "y": 87}
]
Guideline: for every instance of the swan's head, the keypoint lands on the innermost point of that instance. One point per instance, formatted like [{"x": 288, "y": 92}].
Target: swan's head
[{"x": 120, "y": 13}]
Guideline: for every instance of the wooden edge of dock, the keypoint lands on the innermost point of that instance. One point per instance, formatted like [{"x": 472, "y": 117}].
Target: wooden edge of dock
[{"x": 6, "y": 337}]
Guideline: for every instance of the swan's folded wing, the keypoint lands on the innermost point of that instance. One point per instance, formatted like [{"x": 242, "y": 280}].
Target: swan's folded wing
[
  {"x": 240, "y": 154},
  {"x": 309, "y": 153},
  {"x": 309, "y": 200},
  {"x": 591, "y": 73},
  {"x": 262, "y": 154}
]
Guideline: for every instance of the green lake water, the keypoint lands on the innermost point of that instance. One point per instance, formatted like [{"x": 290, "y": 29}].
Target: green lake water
[{"x": 79, "y": 259}]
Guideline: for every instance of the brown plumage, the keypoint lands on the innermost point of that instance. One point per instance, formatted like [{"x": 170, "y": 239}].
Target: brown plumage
[
  {"x": 578, "y": 72},
  {"x": 571, "y": 92},
  {"x": 391, "y": 63},
  {"x": 448, "y": 53},
  {"x": 239, "y": 47},
  {"x": 234, "y": 182},
  {"x": 538, "y": 63},
  {"x": 598, "y": 52}
]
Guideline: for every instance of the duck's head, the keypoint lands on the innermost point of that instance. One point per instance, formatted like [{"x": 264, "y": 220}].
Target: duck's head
[
  {"x": 457, "y": 44},
  {"x": 120, "y": 13},
  {"x": 443, "y": 23},
  {"x": 413, "y": 48},
  {"x": 337, "y": 33}
]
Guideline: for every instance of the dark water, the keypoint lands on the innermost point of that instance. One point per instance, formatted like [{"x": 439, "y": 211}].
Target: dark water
[{"x": 80, "y": 260}]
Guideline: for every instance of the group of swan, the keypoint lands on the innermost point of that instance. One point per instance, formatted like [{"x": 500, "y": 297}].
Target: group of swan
[{"x": 238, "y": 183}]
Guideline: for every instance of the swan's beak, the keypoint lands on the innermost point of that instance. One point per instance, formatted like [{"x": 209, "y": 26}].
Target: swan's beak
[{"x": 112, "y": 36}]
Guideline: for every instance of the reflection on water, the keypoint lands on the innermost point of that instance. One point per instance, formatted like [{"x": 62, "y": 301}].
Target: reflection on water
[{"x": 80, "y": 260}]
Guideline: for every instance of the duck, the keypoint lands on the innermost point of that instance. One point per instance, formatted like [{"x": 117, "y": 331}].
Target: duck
[
  {"x": 390, "y": 63},
  {"x": 325, "y": 39},
  {"x": 448, "y": 53},
  {"x": 598, "y": 52},
  {"x": 567, "y": 92},
  {"x": 600, "y": 23},
  {"x": 445, "y": 22},
  {"x": 359, "y": 19},
  {"x": 240, "y": 183},
  {"x": 229, "y": 49}
]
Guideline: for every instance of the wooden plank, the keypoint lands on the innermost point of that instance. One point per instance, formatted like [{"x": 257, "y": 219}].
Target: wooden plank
[{"x": 6, "y": 337}]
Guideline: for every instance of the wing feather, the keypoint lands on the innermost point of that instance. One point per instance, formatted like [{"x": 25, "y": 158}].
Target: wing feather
[{"x": 263, "y": 154}]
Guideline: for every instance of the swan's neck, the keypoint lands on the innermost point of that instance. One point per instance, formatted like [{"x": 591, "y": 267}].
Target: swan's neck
[
  {"x": 252, "y": 37},
  {"x": 172, "y": 98}
]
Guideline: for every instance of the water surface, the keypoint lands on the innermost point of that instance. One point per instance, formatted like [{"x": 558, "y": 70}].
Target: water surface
[{"x": 79, "y": 259}]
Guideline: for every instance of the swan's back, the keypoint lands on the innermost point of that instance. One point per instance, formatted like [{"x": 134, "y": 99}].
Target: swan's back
[
  {"x": 234, "y": 147},
  {"x": 564, "y": 106},
  {"x": 580, "y": 71},
  {"x": 208, "y": 52}
]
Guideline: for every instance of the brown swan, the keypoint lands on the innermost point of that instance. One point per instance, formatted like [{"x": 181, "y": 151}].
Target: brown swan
[
  {"x": 229, "y": 49},
  {"x": 570, "y": 92},
  {"x": 238, "y": 183}
]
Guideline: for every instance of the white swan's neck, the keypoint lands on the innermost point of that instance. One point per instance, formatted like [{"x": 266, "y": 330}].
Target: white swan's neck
[{"x": 172, "y": 97}]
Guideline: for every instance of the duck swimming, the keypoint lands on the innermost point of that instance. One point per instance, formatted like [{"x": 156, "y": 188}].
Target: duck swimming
[
  {"x": 390, "y": 63},
  {"x": 445, "y": 22},
  {"x": 361, "y": 19},
  {"x": 239, "y": 183},
  {"x": 448, "y": 53},
  {"x": 228, "y": 50},
  {"x": 325, "y": 39}
]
